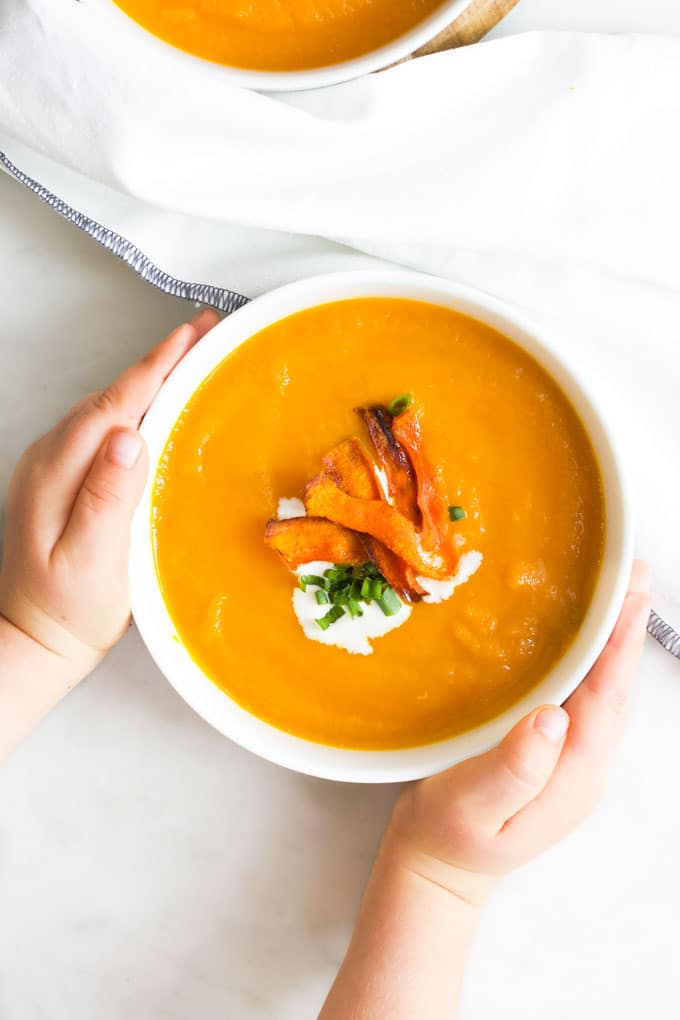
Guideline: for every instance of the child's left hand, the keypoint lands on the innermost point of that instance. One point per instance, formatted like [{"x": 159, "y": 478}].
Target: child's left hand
[
  {"x": 453, "y": 836},
  {"x": 466, "y": 827},
  {"x": 64, "y": 575}
]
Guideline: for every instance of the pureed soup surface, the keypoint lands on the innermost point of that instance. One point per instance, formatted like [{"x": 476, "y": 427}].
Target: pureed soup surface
[
  {"x": 513, "y": 453},
  {"x": 268, "y": 35}
]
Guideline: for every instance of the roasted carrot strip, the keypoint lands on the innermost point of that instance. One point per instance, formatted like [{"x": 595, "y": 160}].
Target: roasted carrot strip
[
  {"x": 396, "y": 572},
  {"x": 432, "y": 500},
  {"x": 323, "y": 498},
  {"x": 351, "y": 468},
  {"x": 303, "y": 539},
  {"x": 393, "y": 458}
]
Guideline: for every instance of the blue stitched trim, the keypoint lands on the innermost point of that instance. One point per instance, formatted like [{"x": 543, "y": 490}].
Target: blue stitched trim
[
  {"x": 664, "y": 634},
  {"x": 217, "y": 297}
]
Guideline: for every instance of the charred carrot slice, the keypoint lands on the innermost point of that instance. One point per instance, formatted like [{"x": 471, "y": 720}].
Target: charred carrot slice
[
  {"x": 303, "y": 539},
  {"x": 351, "y": 468},
  {"x": 436, "y": 531},
  {"x": 394, "y": 460},
  {"x": 323, "y": 498},
  {"x": 396, "y": 572}
]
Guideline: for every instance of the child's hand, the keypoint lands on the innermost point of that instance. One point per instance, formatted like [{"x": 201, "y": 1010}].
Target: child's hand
[
  {"x": 466, "y": 827},
  {"x": 452, "y": 836},
  {"x": 63, "y": 581}
]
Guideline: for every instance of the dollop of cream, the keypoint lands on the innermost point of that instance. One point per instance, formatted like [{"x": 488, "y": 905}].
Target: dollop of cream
[
  {"x": 439, "y": 591},
  {"x": 355, "y": 635}
]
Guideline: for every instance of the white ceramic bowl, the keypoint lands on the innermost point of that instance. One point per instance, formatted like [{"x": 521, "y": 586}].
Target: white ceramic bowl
[
  {"x": 120, "y": 25},
  {"x": 214, "y": 705}
]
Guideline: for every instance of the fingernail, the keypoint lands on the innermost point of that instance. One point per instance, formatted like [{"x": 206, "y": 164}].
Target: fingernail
[
  {"x": 123, "y": 449},
  {"x": 199, "y": 316},
  {"x": 552, "y": 723}
]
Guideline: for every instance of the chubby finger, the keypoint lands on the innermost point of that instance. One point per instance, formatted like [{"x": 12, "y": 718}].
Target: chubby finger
[
  {"x": 509, "y": 777},
  {"x": 98, "y": 528},
  {"x": 130, "y": 395},
  {"x": 597, "y": 713},
  {"x": 612, "y": 674},
  {"x": 597, "y": 707},
  {"x": 68, "y": 451}
]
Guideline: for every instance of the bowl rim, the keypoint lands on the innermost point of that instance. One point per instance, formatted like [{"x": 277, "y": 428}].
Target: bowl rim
[
  {"x": 318, "y": 77},
  {"x": 323, "y": 761}
]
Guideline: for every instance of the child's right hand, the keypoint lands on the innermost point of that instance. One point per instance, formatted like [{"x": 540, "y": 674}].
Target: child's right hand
[
  {"x": 63, "y": 579},
  {"x": 464, "y": 828}
]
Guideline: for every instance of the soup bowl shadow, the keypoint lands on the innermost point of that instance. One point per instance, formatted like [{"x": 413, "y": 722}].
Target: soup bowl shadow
[{"x": 156, "y": 626}]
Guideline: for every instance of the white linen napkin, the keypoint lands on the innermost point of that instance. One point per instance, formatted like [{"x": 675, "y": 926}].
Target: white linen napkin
[{"x": 543, "y": 168}]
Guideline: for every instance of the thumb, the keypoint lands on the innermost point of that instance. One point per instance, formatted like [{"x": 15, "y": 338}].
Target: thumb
[
  {"x": 514, "y": 773},
  {"x": 102, "y": 513}
]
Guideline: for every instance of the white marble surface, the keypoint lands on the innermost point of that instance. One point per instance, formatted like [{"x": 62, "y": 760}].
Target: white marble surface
[{"x": 150, "y": 869}]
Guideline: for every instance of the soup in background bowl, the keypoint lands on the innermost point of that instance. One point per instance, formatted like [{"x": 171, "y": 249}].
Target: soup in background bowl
[
  {"x": 536, "y": 496},
  {"x": 302, "y": 44}
]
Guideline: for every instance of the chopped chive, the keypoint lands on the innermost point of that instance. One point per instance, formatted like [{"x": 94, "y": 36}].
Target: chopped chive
[
  {"x": 400, "y": 404},
  {"x": 456, "y": 513},
  {"x": 333, "y": 614},
  {"x": 344, "y": 586},
  {"x": 313, "y": 579},
  {"x": 390, "y": 602},
  {"x": 338, "y": 573}
]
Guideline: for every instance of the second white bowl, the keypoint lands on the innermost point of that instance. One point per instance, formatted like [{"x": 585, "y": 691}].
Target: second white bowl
[{"x": 120, "y": 26}]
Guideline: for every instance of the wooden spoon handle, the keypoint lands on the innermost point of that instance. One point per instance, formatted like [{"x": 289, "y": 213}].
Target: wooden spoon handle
[{"x": 471, "y": 26}]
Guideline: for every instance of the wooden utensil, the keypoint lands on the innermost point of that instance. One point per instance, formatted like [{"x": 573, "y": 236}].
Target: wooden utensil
[{"x": 469, "y": 27}]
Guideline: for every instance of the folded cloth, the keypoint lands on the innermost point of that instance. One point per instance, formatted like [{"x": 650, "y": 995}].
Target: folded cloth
[{"x": 543, "y": 167}]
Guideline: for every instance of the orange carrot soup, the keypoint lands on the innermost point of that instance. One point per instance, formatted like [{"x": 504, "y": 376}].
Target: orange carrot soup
[
  {"x": 378, "y": 523},
  {"x": 266, "y": 35}
]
